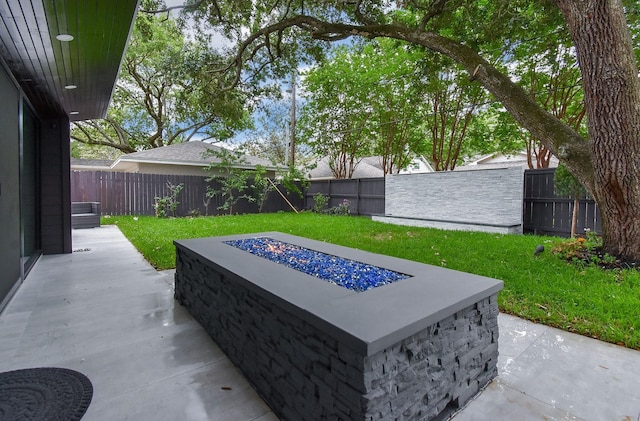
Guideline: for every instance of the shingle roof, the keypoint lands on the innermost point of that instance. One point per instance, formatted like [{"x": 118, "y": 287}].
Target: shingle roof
[
  {"x": 368, "y": 167},
  {"x": 186, "y": 153},
  {"x": 83, "y": 162}
]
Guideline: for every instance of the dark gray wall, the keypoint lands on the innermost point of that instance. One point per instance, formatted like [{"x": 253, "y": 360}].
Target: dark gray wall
[
  {"x": 55, "y": 186},
  {"x": 29, "y": 188},
  {"x": 35, "y": 201},
  {"x": 10, "y": 272}
]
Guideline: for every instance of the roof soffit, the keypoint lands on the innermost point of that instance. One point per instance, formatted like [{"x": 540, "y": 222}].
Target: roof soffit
[{"x": 44, "y": 66}]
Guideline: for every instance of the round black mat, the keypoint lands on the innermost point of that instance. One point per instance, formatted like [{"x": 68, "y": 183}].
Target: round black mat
[{"x": 44, "y": 394}]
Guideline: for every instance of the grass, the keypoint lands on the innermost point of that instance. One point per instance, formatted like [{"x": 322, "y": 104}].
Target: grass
[{"x": 545, "y": 288}]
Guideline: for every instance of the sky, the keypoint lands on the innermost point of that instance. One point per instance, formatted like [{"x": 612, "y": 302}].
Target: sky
[{"x": 218, "y": 40}]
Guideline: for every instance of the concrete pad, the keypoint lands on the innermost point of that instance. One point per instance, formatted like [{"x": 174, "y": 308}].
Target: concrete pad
[
  {"x": 107, "y": 313},
  {"x": 547, "y": 373},
  {"x": 213, "y": 392},
  {"x": 501, "y": 402}
]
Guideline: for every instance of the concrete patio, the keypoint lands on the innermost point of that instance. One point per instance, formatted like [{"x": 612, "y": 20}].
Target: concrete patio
[{"x": 107, "y": 313}]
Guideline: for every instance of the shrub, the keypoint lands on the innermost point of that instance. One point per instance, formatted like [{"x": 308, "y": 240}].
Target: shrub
[
  {"x": 164, "y": 205},
  {"x": 320, "y": 202},
  {"x": 585, "y": 251},
  {"x": 341, "y": 209}
]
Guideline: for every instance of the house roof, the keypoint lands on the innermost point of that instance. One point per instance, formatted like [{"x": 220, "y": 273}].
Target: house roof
[
  {"x": 492, "y": 165},
  {"x": 369, "y": 167},
  {"x": 91, "y": 163},
  {"x": 187, "y": 153},
  {"x": 44, "y": 65},
  {"x": 499, "y": 160}
]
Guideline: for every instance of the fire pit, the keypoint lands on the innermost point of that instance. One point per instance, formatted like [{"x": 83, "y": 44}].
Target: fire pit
[
  {"x": 347, "y": 273},
  {"x": 417, "y": 342}
]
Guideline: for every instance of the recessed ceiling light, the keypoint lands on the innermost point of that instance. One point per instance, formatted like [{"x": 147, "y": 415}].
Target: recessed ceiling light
[
  {"x": 64, "y": 37},
  {"x": 74, "y": 113},
  {"x": 70, "y": 87}
]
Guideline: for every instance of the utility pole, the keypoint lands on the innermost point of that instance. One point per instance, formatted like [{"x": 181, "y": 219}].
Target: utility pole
[{"x": 292, "y": 123}]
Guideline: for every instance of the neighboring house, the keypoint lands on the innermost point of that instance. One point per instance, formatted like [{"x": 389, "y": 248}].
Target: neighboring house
[
  {"x": 418, "y": 165},
  {"x": 82, "y": 164},
  {"x": 500, "y": 160},
  {"x": 368, "y": 167},
  {"x": 58, "y": 63},
  {"x": 180, "y": 159}
]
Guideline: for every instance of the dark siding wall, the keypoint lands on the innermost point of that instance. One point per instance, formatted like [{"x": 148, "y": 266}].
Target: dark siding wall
[
  {"x": 44, "y": 223},
  {"x": 121, "y": 193},
  {"x": 55, "y": 186},
  {"x": 10, "y": 272},
  {"x": 366, "y": 196},
  {"x": 29, "y": 188},
  {"x": 547, "y": 213}
]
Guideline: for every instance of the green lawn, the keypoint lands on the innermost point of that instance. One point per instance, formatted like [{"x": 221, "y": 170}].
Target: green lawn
[{"x": 544, "y": 289}]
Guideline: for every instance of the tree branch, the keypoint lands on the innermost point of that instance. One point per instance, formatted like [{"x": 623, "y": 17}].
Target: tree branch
[
  {"x": 360, "y": 16},
  {"x": 187, "y": 7},
  {"x": 89, "y": 139},
  {"x": 435, "y": 8},
  {"x": 561, "y": 139}
]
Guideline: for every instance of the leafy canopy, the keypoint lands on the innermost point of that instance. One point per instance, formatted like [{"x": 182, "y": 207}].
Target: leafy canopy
[{"x": 165, "y": 94}]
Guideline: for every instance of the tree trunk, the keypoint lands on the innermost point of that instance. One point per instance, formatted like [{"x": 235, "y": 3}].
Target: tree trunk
[
  {"x": 574, "y": 216},
  {"x": 612, "y": 100}
]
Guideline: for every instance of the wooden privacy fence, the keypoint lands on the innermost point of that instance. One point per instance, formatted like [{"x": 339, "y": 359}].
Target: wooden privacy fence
[
  {"x": 544, "y": 212},
  {"x": 365, "y": 195},
  {"x": 134, "y": 193}
]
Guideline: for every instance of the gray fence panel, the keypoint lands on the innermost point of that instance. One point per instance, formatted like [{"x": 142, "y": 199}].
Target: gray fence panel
[
  {"x": 545, "y": 212},
  {"x": 365, "y": 195},
  {"x": 134, "y": 194}
]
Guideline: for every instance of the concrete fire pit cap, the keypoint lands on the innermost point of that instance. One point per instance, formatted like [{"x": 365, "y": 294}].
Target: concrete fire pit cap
[{"x": 366, "y": 321}]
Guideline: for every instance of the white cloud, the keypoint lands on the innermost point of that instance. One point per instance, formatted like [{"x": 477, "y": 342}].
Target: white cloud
[{"x": 218, "y": 40}]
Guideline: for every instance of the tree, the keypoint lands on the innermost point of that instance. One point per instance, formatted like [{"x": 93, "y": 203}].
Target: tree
[
  {"x": 369, "y": 88},
  {"x": 82, "y": 150},
  {"x": 392, "y": 78},
  {"x": 453, "y": 103},
  {"x": 334, "y": 124},
  {"x": 548, "y": 70},
  {"x": 268, "y": 139},
  {"x": 270, "y": 135},
  {"x": 467, "y": 32},
  {"x": 227, "y": 177},
  {"x": 164, "y": 205},
  {"x": 612, "y": 101},
  {"x": 567, "y": 184},
  {"x": 492, "y": 131},
  {"x": 260, "y": 186},
  {"x": 163, "y": 95},
  {"x": 405, "y": 101},
  {"x": 556, "y": 87}
]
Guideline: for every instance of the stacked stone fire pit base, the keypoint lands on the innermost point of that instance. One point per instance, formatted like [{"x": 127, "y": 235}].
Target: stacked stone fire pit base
[{"x": 417, "y": 349}]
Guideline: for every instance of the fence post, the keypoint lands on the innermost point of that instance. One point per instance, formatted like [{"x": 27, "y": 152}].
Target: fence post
[{"x": 358, "y": 191}]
